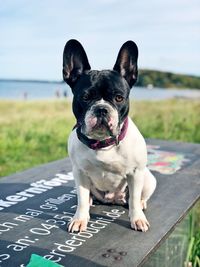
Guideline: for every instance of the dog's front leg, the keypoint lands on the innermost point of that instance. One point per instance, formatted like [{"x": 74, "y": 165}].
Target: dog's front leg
[
  {"x": 81, "y": 216},
  {"x": 135, "y": 184}
]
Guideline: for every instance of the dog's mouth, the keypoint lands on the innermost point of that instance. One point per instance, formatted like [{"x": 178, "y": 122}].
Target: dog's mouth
[
  {"x": 104, "y": 125},
  {"x": 101, "y": 127}
]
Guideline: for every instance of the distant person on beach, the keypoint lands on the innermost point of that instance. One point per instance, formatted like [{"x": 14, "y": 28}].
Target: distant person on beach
[
  {"x": 25, "y": 95},
  {"x": 65, "y": 94},
  {"x": 57, "y": 93}
]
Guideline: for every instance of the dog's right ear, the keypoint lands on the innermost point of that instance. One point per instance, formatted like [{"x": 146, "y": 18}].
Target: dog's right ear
[{"x": 75, "y": 62}]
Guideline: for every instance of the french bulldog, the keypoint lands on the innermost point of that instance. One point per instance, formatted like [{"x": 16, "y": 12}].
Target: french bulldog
[{"x": 107, "y": 151}]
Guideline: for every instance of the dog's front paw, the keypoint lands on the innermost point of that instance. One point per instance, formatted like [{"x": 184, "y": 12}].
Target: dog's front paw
[
  {"x": 139, "y": 222},
  {"x": 78, "y": 224}
]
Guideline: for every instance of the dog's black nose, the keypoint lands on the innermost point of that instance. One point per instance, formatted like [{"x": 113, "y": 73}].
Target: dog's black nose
[{"x": 101, "y": 111}]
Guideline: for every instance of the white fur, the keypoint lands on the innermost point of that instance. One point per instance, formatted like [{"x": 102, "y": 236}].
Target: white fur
[{"x": 111, "y": 169}]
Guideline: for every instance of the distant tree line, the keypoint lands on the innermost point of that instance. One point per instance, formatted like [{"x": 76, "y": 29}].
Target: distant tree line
[{"x": 153, "y": 78}]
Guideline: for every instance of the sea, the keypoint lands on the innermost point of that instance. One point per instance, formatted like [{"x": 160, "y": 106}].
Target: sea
[{"x": 32, "y": 90}]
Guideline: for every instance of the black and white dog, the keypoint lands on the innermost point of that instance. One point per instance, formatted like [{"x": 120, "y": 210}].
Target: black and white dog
[{"x": 107, "y": 151}]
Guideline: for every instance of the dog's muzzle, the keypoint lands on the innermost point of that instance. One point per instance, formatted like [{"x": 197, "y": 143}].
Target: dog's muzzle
[{"x": 101, "y": 121}]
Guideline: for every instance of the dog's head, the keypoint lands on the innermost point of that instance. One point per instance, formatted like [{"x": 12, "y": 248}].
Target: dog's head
[{"x": 101, "y": 98}]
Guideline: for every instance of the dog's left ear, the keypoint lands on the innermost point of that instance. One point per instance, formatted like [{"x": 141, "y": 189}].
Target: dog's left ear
[
  {"x": 126, "y": 63},
  {"x": 75, "y": 62}
]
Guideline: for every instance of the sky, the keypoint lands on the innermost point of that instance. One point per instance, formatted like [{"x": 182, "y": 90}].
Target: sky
[{"x": 33, "y": 34}]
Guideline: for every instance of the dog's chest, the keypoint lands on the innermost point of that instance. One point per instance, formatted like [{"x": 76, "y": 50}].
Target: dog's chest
[{"x": 106, "y": 169}]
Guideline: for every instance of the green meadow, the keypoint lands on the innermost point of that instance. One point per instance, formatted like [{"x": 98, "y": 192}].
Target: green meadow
[{"x": 33, "y": 133}]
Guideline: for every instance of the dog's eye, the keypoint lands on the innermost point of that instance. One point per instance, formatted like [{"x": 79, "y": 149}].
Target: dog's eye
[
  {"x": 119, "y": 98},
  {"x": 86, "y": 97}
]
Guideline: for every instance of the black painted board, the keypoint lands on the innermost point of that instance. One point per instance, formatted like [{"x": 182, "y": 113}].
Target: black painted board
[{"x": 35, "y": 206}]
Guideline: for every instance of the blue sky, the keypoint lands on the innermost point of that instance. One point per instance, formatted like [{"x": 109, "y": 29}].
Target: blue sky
[{"x": 33, "y": 34}]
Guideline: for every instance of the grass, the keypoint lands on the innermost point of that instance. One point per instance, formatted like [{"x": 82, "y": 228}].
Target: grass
[
  {"x": 169, "y": 120},
  {"x": 193, "y": 251},
  {"x": 33, "y": 133}
]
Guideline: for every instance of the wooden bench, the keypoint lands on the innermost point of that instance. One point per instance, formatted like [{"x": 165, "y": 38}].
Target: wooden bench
[{"x": 35, "y": 206}]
